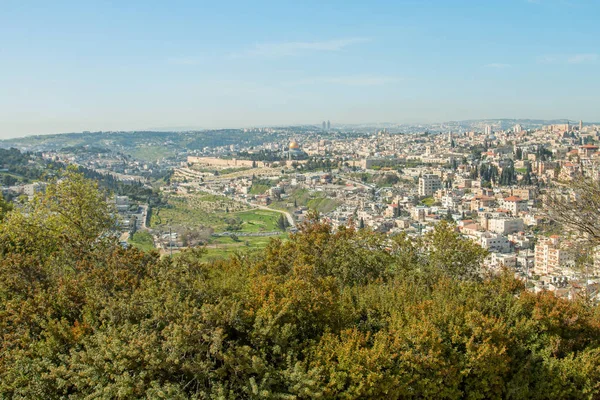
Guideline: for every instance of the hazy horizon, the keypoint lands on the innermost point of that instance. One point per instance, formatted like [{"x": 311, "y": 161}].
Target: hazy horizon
[
  {"x": 73, "y": 67},
  {"x": 316, "y": 125}
]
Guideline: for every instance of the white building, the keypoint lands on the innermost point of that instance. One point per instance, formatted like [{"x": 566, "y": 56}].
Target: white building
[
  {"x": 514, "y": 204},
  {"x": 497, "y": 260},
  {"x": 418, "y": 213},
  {"x": 504, "y": 226},
  {"x": 495, "y": 243},
  {"x": 518, "y": 128},
  {"x": 448, "y": 201}
]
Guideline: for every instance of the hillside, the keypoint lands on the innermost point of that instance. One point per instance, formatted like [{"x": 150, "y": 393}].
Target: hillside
[
  {"x": 346, "y": 314},
  {"x": 143, "y": 145}
]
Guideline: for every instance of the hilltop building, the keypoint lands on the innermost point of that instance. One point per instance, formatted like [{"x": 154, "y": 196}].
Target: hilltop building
[{"x": 294, "y": 151}]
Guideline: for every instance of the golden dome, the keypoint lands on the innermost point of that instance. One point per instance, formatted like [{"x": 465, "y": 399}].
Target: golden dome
[{"x": 294, "y": 145}]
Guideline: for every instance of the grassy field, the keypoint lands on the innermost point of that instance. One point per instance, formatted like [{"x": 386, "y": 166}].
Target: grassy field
[
  {"x": 428, "y": 201},
  {"x": 223, "y": 247},
  {"x": 258, "y": 189},
  {"x": 142, "y": 241},
  {"x": 302, "y": 197},
  {"x": 152, "y": 153},
  {"x": 323, "y": 204},
  {"x": 218, "y": 212},
  {"x": 258, "y": 220}
]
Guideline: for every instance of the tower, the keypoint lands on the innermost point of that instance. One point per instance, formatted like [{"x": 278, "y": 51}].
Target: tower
[
  {"x": 324, "y": 125},
  {"x": 580, "y": 125},
  {"x": 328, "y": 125}
]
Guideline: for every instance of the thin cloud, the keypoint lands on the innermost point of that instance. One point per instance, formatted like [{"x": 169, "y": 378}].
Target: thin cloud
[
  {"x": 184, "y": 60},
  {"x": 498, "y": 65},
  {"x": 581, "y": 58},
  {"x": 352, "y": 80},
  {"x": 296, "y": 48}
]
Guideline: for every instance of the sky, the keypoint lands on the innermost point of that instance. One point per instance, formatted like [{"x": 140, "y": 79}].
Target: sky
[{"x": 69, "y": 66}]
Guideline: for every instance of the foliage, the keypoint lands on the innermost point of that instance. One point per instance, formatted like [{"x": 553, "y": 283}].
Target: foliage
[
  {"x": 343, "y": 314},
  {"x": 282, "y": 223},
  {"x": 5, "y": 207},
  {"x": 578, "y": 209}
]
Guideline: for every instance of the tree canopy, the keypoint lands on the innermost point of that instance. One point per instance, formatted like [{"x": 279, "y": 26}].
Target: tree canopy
[{"x": 343, "y": 314}]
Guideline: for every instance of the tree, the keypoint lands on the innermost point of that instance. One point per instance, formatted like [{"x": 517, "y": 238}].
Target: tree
[
  {"x": 452, "y": 255},
  {"x": 282, "y": 223},
  {"x": 5, "y": 207},
  {"x": 326, "y": 314},
  {"x": 577, "y": 208},
  {"x": 519, "y": 154},
  {"x": 70, "y": 218}
]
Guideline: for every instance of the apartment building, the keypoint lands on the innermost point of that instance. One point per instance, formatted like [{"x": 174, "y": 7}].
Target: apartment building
[
  {"x": 429, "y": 184},
  {"x": 549, "y": 257}
]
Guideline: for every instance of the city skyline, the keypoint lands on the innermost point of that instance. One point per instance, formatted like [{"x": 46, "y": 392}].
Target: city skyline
[{"x": 71, "y": 67}]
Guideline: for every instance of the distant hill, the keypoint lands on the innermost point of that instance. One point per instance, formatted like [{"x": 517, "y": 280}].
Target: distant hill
[{"x": 145, "y": 145}]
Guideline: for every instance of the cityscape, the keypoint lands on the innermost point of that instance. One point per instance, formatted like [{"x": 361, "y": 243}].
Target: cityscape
[
  {"x": 489, "y": 180},
  {"x": 300, "y": 200}
]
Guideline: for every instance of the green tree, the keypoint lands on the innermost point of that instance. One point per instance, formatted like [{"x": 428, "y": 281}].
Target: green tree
[
  {"x": 452, "y": 255},
  {"x": 282, "y": 223},
  {"x": 5, "y": 207},
  {"x": 70, "y": 218}
]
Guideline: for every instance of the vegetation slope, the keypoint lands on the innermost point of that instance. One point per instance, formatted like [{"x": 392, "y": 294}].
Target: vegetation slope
[{"x": 332, "y": 315}]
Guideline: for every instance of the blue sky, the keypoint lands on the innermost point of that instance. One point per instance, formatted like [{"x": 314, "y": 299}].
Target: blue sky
[{"x": 106, "y": 65}]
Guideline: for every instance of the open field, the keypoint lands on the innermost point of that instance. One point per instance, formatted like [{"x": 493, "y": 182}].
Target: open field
[
  {"x": 223, "y": 247},
  {"x": 303, "y": 198},
  {"x": 142, "y": 241},
  {"x": 258, "y": 188},
  {"x": 218, "y": 212},
  {"x": 258, "y": 220},
  {"x": 152, "y": 153}
]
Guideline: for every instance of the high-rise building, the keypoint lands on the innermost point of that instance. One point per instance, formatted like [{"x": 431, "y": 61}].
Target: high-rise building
[
  {"x": 324, "y": 125},
  {"x": 580, "y": 125},
  {"x": 518, "y": 128},
  {"x": 328, "y": 125},
  {"x": 488, "y": 130}
]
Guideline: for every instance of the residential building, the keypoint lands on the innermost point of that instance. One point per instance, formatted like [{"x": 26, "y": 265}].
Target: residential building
[
  {"x": 549, "y": 257},
  {"x": 429, "y": 184},
  {"x": 514, "y": 204},
  {"x": 495, "y": 243},
  {"x": 505, "y": 226}
]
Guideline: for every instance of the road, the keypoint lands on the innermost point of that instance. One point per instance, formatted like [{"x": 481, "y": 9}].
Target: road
[{"x": 287, "y": 214}]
